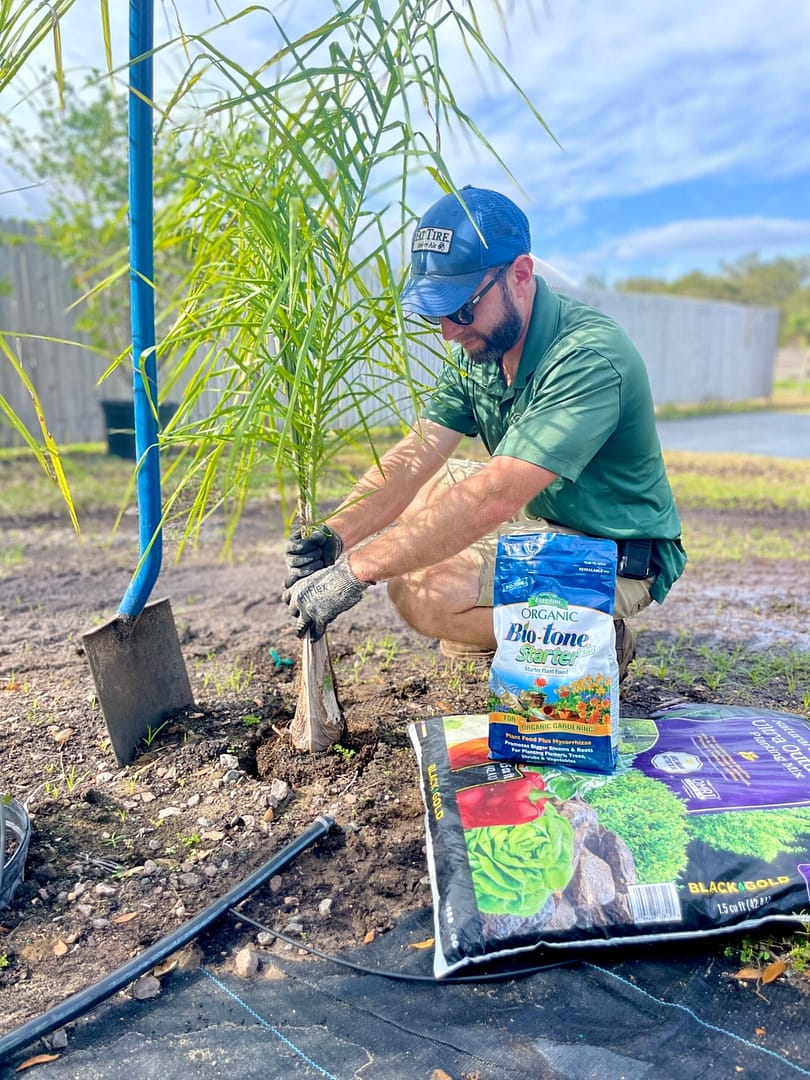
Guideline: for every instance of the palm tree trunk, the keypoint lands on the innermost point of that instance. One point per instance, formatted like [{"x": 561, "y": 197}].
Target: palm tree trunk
[{"x": 318, "y": 722}]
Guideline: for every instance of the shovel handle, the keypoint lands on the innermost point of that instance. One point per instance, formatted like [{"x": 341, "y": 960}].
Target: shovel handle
[{"x": 142, "y": 303}]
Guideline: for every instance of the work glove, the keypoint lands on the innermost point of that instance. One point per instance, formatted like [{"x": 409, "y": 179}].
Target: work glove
[
  {"x": 306, "y": 554},
  {"x": 314, "y": 601}
]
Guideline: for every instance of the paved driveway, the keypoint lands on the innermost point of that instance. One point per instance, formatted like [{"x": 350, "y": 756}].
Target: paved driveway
[{"x": 773, "y": 434}]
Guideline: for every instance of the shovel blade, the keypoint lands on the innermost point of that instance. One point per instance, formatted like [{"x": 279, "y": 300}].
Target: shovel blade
[{"x": 140, "y": 675}]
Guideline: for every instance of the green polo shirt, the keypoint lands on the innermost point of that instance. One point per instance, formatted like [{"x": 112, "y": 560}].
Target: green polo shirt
[{"x": 581, "y": 407}]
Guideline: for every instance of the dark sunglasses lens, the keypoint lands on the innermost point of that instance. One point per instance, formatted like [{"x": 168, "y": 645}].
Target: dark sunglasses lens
[{"x": 464, "y": 316}]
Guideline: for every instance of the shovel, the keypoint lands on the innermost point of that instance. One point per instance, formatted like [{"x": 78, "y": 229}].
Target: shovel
[{"x": 135, "y": 658}]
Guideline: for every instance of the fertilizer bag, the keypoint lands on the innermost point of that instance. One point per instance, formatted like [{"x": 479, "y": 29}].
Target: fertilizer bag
[
  {"x": 703, "y": 828},
  {"x": 554, "y": 680}
]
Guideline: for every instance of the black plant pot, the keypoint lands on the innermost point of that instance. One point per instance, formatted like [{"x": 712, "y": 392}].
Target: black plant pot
[{"x": 119, "y": 422}]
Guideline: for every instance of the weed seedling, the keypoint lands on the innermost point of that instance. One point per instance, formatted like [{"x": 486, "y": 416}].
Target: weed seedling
[
  {"x": 388, "y": 647},
  {"x": 152, "y": 733},
  {"x": 361, "y": 654}
]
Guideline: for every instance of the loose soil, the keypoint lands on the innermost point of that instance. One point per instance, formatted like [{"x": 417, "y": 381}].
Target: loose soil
[{"x": 119, "y": 857}]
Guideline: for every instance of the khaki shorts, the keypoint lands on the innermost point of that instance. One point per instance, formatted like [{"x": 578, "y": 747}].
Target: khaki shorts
[{"x": 632, "y": 596}]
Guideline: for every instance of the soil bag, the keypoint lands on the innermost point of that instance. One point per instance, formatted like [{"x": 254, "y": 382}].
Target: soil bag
[
  {"x": 703, "y": 828},
  {"x": 554, "y": 680}
]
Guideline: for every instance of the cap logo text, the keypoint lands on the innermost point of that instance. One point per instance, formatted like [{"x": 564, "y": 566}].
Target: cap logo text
[{"x": 427, "y": 239}]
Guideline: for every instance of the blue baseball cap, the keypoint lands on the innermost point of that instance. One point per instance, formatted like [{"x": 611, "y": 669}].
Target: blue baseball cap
[{"x": 449, "y": 259}]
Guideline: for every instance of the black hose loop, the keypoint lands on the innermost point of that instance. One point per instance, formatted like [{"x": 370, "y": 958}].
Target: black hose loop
[{"x": 84, "y": 1000}]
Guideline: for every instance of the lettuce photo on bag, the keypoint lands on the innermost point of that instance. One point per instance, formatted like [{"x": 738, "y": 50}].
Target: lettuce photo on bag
[{"x": 515, "y": 868}]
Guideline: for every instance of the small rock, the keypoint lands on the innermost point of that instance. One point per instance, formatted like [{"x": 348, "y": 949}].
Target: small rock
[
  {"x": 154, "y": 845},
  {"x": 193, "y": 800},
  {"x": 102, "y": 889},
  {"x": 325, "y": 907},
  {"x": 85, "y": 910},
  {"x": 190, "y": 958},
  {"x": 103, "y": 777},
  {"x": 279, "y": 790},
  {"x": 210, "y": 871},
  {"x": 101, "y": 924},
  {"x": 229, "y": 761},
  {"x": 276, "y": 884},
  {"x": 265, "y": 938},
  {"x": 58, "y": 1039},
  {"x": 147, "y": 796},
  {"x": 294, "y": 926},
  {"x": 290, "y": 901},
  {"x": 190, "y": 881},
  {"x": 168, "y": 811},
  {"x": 232, "y": 776},
  {"x": 146, "y": 987},
  {"x": 149, "y": 867},
  {"x": 425, "y": 881},
  {"x": 246, "y": 962}
]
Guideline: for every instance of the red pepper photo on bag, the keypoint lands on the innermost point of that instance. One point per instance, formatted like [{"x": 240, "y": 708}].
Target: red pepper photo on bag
[{"x": 505, "y": 802}]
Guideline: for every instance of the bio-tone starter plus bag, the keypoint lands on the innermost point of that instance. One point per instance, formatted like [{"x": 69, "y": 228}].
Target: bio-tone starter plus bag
[
  {"x": 554, "y": 680},
  {"x": 704, "y": 827}
]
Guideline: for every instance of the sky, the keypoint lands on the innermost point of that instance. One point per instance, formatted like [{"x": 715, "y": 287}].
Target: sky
[{"x": 683, "y": 129}]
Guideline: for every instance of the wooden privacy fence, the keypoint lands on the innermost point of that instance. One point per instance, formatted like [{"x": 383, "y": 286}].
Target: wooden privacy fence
[{"x": 695, "y": 350}]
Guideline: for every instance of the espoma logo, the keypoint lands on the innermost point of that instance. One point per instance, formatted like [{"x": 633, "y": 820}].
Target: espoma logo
[{"x": 547, "y": 606}]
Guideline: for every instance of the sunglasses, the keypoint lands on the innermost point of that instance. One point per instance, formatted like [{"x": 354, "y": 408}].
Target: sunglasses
[{"x": 466, "y": 313}]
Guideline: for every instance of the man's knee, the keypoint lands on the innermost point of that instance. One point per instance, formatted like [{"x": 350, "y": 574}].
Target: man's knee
[{"x": 427, "y": 598}]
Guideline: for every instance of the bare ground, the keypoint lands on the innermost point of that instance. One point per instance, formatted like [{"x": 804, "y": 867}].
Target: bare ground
[{"x": 120, "y": 857}]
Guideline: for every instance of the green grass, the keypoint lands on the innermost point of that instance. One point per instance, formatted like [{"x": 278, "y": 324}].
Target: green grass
[
  {"x": 777, "y": 679},
  {"x": 788, "y": 394},
  {"x": 748, "y": 487}
]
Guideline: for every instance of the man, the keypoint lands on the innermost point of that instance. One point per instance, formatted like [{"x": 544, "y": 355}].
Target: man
[{"x": 561, "y": 400}]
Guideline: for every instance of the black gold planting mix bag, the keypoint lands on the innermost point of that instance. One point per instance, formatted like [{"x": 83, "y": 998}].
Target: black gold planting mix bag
[
  {"x": 703, "y": 827},
  {"x": 554, "y": 681}
]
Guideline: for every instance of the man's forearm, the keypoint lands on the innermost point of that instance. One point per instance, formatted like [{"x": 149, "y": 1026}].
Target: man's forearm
[
  {"x": 449, "y": 524},
  {"x": 387, "y": 489}
]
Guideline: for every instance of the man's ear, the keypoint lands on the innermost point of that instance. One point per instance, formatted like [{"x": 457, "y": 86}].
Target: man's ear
[{"x": 523, "y": 270}]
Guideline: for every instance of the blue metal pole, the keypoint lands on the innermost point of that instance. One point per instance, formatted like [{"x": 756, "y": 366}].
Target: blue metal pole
[{"x": 142, "y": 301}]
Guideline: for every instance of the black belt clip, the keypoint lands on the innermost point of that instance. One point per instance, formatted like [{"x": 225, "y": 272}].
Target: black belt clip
[{"x": 635, "y": 559}]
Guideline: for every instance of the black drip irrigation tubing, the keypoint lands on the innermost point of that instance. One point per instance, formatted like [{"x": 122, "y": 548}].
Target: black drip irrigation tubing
[{"x": 78, "y": 1004}]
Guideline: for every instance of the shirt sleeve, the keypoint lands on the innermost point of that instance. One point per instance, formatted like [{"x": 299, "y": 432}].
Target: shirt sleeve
[
  {"x": 449, "y": 403},
  {"x": 568, "y": 415}
]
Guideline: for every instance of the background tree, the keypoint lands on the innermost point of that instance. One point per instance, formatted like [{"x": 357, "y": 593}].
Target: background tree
[
  {"x": 78, "y": 151},
  {"x": 24, "y": 26}
]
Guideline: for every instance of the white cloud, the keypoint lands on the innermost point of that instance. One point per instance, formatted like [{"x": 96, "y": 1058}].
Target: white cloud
[
  {"x": 713, "y": 234},
  {"x": 642, "y": 96},
  {"x": 673, "y": 249}
]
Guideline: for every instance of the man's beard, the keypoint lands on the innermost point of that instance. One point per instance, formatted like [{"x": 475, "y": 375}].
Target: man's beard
[{"x": 501, "y": 338}]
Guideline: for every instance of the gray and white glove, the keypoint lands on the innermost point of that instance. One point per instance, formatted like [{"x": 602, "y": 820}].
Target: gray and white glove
[
  {"x": 314, "y": 601},
  {"x": 305, "y": 555}
]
